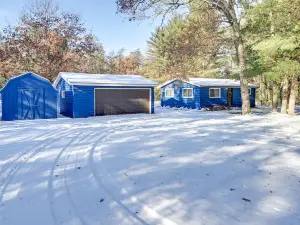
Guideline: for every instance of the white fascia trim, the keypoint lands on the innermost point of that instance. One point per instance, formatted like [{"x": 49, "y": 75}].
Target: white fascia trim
[
  {"x": 168, "y": 82},
  {"x": 212, "y": 86},
  {"x": 113, "y": 85},
  {"x": 57, "y": 80},
  {"x": 222, "y": 86}
]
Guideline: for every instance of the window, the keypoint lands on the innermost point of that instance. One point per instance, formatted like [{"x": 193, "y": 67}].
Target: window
[
  {"x": 249, "y": 91},
  {"x": 187, "y": 93},
  {"x": 169, "y": 92},
  {"x": 63, "y": 94},
  {"x": 215, "y": 93}
]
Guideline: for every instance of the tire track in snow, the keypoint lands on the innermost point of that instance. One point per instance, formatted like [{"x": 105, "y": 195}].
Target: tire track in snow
[
  {"x": 26, "y": 157},
  {"x": 100, "y": 182},
  {"x": 83, "y": 140},
  {"x": 87, "y": 138},
  {"x": 154, "y": 214},
  {"x": 75, "y": 208},
  {"x": 50, "y": 189},
  {"x": 100, "y": 137},
  {"x": 20, "y": 154},
  {"x": 77, "y": 212}
]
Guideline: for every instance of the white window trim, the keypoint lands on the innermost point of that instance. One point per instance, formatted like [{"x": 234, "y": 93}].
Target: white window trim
[
  {"x": 63, "y": 94},
  {"x": 219, "y": 93},
  {"x": 188, "y": 89},
  {"x": 171, "y": 96}
]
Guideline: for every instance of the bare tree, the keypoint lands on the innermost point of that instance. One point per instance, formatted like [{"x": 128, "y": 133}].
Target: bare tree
[{"x": 47, "y": 41}]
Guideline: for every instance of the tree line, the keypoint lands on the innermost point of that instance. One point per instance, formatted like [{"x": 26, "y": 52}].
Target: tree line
[
  {"x": 47, "y": 40},
  {"x": 250, "y": 40}
]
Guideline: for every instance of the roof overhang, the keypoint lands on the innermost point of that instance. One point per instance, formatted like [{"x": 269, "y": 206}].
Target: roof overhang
[
  {"x": 225, "y": 86},
  {"x": 197, "y": 85},
  {"x": 113, "y": 85},
  {"x": 170, "y": 81},
  {"x": 59, "y": 77}
]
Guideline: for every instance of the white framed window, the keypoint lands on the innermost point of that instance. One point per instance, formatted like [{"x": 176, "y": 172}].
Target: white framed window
[
  {"x": 63, "y": 94},
  {"x": 250, "y": 90},
  {"x": 215, "y": 93},
  {"x": 187, "y": 93},
  {"x": 169, "y": 92}
]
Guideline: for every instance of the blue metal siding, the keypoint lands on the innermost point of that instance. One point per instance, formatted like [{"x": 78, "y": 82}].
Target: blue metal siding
[
  {"x": 28, "y": 97},
  {"x": 65, "y": 104},
  {"x": 206, "y": 101},
  {"x": 237, "y": 98},
  {"x": 178, "y": 100},
  {"x": 84, "y": 100}
]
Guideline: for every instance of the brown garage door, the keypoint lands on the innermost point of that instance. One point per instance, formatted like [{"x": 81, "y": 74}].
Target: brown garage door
[{"x": 121, "y": 101}]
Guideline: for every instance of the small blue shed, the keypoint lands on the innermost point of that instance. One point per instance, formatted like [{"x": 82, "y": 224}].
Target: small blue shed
[
  {"x": 197, "y": 93},
  {"x": 28, "y": 96},
  {"x": 83, "y": 95}
]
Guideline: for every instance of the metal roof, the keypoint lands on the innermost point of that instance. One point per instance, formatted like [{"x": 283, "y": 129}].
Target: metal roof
[
  {"x": 210, "y": 82},
  {"x": 86, "y": 79}
]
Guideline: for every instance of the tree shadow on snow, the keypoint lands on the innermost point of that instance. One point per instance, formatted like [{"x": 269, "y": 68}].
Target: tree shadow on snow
[{"x": 174, "y": 167}]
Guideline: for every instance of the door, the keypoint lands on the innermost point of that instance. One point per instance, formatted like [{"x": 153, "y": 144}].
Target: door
[
  {"x": 122, "y": 101},
  {"x": 31, "y": 104},
  {"x": 229, "y": 97}
]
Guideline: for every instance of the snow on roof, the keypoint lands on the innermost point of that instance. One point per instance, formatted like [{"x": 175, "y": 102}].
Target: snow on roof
[
  {"x": 210, "y": 82},
  {"x": 104, "y": 79},
  {"x": 217, "y": 82}
]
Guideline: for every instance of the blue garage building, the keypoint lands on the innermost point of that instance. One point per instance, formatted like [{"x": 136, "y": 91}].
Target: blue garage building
[
  {"x": 197, "y": 93},
  {"x": 28, "y": 96},
  {"x": 83, "y": 95}
]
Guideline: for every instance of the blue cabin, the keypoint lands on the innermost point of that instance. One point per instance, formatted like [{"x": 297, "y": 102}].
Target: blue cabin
[
  {"x": 84, "y": 95},
  {"x": 28, "y": 96},
  {"x": 197, "y": 93}
]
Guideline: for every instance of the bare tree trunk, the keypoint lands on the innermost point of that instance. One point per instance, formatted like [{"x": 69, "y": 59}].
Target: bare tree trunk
[
  {"x": 285, "y": 90},
  {"x": 239, "y": 44},
  {"x": 230, "y": 13},
  {"x": 262, "y": 88},
  {"x": 275, "y": 96},
  {"x": 293, "y": 95}
]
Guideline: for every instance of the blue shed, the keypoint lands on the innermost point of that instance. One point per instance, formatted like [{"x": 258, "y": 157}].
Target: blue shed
[
  {"x": 28, "y": 96},
  {"x": 197, "y": 93},
  {"x": 83, "y": 95}
]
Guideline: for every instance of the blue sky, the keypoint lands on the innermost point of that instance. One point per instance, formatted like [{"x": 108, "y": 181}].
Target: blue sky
[{"x": 114, "y": 31}]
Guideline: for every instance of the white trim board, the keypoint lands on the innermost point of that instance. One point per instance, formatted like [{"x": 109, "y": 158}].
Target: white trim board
[
  {"x": 207, "y": 86},
  {"x": 86, "y": 79},
  {"x": 188, "y": 89},
  {"x": 150, "y": 97},
  {"x": 214, "y": 97},
  {"x": 113, "y": 85},
  {"x": 173, "y": 93}
]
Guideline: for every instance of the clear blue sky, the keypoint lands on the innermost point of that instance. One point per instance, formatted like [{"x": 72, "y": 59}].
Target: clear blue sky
[{"x": 114, "y": 31}]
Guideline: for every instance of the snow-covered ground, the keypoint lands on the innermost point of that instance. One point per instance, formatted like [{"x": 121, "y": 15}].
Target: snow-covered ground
[{"x": 174, "y": 167}]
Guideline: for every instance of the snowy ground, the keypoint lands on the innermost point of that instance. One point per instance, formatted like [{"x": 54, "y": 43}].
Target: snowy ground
[{"x": 174, "y": 167}]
